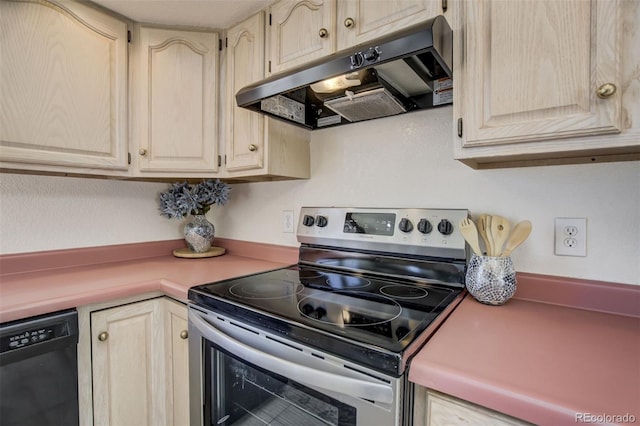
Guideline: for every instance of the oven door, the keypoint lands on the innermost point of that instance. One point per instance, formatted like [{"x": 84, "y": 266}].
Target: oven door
[{"x": 240, "y": 375}]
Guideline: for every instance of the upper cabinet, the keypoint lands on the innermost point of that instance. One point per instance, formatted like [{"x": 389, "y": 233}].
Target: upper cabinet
[
  {"x": 303, "y": 30},
  {"x": 537, "y": 81},
  {"x": 257, "y": 147},
  {"x": 174, "y": 101},
  {"x": 360, "y": 21},
  {"x": 64, "y": 88},
  {"x": 300, "y": 31}
]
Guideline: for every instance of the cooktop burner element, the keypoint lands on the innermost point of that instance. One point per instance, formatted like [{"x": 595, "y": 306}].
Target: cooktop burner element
[
  {"x": 404, "y": 291},
  {"x": 266, "y": 289},
  {"x": 368, "y": 286},
  {"x": 346, "y": 309},
  {"x": 347, "y": 282}
]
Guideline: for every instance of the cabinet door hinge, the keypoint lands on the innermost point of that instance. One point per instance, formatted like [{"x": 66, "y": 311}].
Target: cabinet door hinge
[
  {"x": 128, "y": 158},
  {"x": 459, "y": 127},
  {"x": 269, "y": 19},
  {"x": 219, "y": 160},
  {"x": 445, "y": 5},
  {"x": 128, "y": 36}
]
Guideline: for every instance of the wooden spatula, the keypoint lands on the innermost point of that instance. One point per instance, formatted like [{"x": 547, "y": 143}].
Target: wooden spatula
[
  {"x": 482, "y": 230},
  {"x": 500, "y": 229},
  {"x": 520, "y": 233}
]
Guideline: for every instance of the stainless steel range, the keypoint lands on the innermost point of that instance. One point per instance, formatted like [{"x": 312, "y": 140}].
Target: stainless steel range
[{"x": 327, "y": 341}]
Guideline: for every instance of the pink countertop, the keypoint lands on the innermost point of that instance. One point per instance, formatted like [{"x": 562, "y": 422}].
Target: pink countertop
[
  {"x": 31, "y": 285},
  {"x": 538, "y": 361},
  {"x": 560, "y": 347}
]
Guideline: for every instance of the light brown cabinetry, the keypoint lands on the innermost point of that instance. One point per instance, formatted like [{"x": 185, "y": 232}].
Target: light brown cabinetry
[
  {"x": 175, "y": 96},
  {"x": 300, "y": 31},
  {"x": 436, "y": 409},
  {"x": 64, "y": 103},
  {"x": 359, "y": 21},
  {"x": 257, "y": 146},
  {"x": 138, "y": 363},
  {"x": 538, "y": 81},
  {"x": 303, "y": 30},
  {"x": 177, "y": 362}
]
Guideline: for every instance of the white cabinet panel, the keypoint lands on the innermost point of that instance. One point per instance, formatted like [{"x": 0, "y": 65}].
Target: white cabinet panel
[
  {"x": 257, "y": 147},
  {"x": 363, "y": 20},
  {"x": 176, "y": 98},
  {"x": 530, "y": 77},
  {"x": 63, "y": 85}
]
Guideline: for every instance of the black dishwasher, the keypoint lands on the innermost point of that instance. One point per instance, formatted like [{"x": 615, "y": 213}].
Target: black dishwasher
[{"x": 39, "y": 370}]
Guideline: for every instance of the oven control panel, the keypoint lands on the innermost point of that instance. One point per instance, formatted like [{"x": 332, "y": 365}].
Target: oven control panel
[{"x": 433, "y": 232}]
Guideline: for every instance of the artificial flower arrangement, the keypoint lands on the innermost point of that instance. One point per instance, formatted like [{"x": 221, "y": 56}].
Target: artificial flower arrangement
[{"x": 183, "y": 199}]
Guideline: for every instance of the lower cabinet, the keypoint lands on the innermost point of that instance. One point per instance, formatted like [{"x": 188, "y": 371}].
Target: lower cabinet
[
  {"x": 138, "y": 367},
  {"x": 177, "y": 362},
  {"x": 436, "y": 409}
]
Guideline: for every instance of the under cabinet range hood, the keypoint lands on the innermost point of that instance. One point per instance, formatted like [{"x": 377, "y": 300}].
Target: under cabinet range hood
[{"x": 408, "y": 70}]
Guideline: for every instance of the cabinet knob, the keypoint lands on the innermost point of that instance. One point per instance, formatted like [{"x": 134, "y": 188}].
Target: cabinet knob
[
  {"x": 103, "y": 336},
  {"x": 606, "y": 90},
  {"x": 184, "y": 334},
  {"x": 253, "y": 147},
  {"x": 323, "y": 33},
  {"x": 142, "y": 151},
  {"x": 349, "y": 22}
]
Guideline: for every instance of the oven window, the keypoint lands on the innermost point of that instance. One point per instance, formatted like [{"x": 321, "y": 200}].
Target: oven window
[{"x": 239, "y": 393}]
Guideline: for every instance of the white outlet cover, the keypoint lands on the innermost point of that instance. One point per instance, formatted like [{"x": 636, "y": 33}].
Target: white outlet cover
[
  {"x": 571, "y": 236},
  {"x": 287, "y": 221}
]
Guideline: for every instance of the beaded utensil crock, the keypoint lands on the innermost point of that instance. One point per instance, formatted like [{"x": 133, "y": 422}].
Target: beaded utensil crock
[{"x": 491, "y": 280}]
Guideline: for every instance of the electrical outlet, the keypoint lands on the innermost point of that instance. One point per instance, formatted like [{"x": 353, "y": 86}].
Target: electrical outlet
[
  {"x": 571, "y": 236},
  {"x": 287, "y": 221}
]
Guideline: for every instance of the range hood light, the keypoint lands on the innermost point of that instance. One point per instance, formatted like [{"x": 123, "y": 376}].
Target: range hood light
[{"x": 340, "y": 82}]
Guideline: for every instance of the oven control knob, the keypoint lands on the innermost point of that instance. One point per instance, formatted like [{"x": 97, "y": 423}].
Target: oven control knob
[
  {"x": 308, "y": 220},
  {"x": 372, "y": 54},
  {"x": 424, "y": 226},
  {"x": 445, "y": 227},
  {"x": 405, "y": 225},
  {"x": 321, "y": 221}
]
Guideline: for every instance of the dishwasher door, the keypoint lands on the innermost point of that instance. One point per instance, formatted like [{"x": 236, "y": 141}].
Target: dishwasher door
[{"x": 39, "y": 370}]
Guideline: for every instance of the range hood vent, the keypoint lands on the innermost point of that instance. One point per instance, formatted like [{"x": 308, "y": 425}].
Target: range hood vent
[{"x": 405, "y": 71}]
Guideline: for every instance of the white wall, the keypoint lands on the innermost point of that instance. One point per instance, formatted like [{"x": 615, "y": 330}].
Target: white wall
[{"x": 394, "y": 162}]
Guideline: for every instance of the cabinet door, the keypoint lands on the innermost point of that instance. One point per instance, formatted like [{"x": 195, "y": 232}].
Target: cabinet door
[
  {"x": 127, "y": 362},
  {"x": 444, "y": 410},
  {"x": 363, "y": 20},
  {"x": 176, "y": 82},
  {"x": 177, "y": 362},
  {"x": 300, "y": 31},
  {"x": 531, "y": 70},
  {"x": 245, "y": 65},
  {"x": 63, "y": 85},
  {"x": 257, "y": 147}
]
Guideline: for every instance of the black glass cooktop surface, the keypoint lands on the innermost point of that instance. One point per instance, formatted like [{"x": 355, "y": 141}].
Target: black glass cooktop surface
[{"x": 368, "y": 309}]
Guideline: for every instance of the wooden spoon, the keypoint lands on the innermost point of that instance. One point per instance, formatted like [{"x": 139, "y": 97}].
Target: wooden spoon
[
  {"x": 520, "y": 233},
  {"x": 499, "y": 231},
  {"x": 470, "y": 234},
  {"x": 482, "y": 229}
]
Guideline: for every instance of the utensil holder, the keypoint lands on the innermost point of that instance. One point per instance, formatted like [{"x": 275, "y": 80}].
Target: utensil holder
[{"x": 491, "y": 280}]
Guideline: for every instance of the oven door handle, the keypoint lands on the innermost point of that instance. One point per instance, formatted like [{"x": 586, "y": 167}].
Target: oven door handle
[{"x": 301, "y": 374}]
